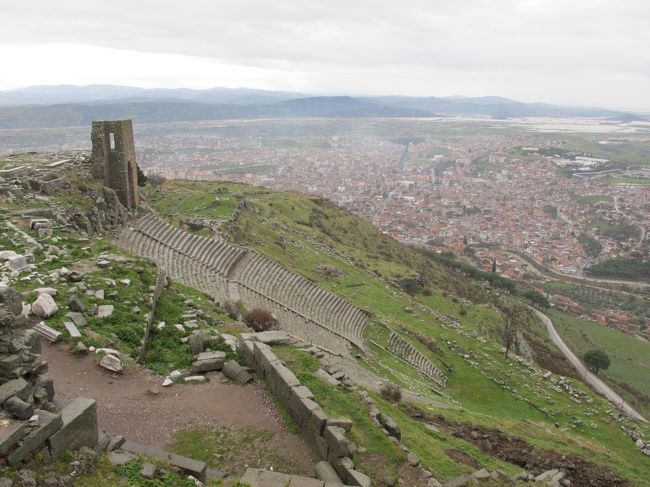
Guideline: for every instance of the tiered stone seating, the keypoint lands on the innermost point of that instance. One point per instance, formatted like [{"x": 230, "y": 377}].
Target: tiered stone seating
[
  {"x": 302, "y": 307},
  {"x": 294, "y": 323},
  {"x": 171, "y": 249},
  {"x": 413, "y": 356},
  {"x": 304, "y": 298}
]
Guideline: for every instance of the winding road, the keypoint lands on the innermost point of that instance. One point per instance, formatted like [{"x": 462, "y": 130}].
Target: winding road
[
  {"x": 543, "y": 271},
  {"x": 598, "y": 385}
]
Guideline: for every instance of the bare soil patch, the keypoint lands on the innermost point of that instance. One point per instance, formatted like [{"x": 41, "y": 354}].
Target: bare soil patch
[
  {"x": 126, "y": 406},
  {"x": 461, "y": 457}
]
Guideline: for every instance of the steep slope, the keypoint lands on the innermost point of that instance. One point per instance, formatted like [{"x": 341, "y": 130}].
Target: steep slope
[
  {"x": 465, "y": 405},
  {"x": 448, "y": 319}
]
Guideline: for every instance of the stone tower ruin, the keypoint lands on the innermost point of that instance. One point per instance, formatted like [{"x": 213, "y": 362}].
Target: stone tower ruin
[{"x": 114, "y": 149}]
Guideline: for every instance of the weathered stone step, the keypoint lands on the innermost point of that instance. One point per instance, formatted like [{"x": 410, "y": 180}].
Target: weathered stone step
[
  {"x": 195, "y": 468},
  {"x": 48, "y": 333}
]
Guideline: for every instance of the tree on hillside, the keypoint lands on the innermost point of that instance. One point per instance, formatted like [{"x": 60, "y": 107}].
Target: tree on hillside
[
  {"x": 537, "y": 299},
  {"x": 508, "y": 331},
  {"x": 156, "y": 180},
  {"x": 597, "y": 360},
  {"x": 142, "y": 178},
  {"x": 494, "y": 264}
]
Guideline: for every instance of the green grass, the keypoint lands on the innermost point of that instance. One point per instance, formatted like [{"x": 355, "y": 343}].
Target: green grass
[
  {"x": 233, "y": 449},
  {"x": 184, "y": 199},
  {"x": 166, "y": 351},
  {"x": 630, "y": 151},
  {"x": 617, "y": 231},
  {"x": 338, "y": 402},
  {"x": 638, "y": 181},
  {"x": 590, "y": 199},
  {"x": 107, "y": 475}
]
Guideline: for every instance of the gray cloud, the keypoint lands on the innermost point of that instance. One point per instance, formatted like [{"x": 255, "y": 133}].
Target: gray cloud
[{"x": 329, "y": 41}]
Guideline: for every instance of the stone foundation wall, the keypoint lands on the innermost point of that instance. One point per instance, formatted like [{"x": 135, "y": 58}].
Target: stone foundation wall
[
  {"x": 30, "y": 423},
  {"x": 325, "y": 435}
]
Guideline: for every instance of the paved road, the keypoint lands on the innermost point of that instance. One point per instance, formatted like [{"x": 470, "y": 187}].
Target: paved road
[
  {"x": 594, "y": 381},
  {"x": 541, "y": 270}
]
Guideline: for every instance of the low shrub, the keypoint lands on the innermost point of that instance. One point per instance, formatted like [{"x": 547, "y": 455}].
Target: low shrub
[
  {"x": 260, "y": 319},
  {"x": 391, "y": 391}
]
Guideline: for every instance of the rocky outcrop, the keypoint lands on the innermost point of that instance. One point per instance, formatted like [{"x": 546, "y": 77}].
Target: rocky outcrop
[
  {"x": 107, "y": 213},
  {"x": 33, "y": 424}
]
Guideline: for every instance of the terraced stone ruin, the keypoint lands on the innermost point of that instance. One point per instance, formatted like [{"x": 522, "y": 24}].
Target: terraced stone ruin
[{"x": 230, "y": 272}]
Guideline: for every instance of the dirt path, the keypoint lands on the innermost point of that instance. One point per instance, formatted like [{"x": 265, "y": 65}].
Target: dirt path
[{"x": 125, "y": 406}]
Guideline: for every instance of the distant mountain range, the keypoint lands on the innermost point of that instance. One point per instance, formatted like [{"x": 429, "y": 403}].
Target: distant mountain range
[{"x": 65, "y": 105}]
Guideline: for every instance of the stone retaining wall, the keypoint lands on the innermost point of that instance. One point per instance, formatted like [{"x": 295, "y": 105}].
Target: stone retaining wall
[{"x": 328, "y": 440}]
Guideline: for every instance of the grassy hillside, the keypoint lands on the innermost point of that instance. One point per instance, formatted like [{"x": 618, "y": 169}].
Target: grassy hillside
[
  {"x": 630, "y": 356},
  {"x": 449, "y": 318}
]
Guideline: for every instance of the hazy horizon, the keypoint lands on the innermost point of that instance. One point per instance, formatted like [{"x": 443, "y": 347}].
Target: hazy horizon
[{"x": 584, "y": 53}]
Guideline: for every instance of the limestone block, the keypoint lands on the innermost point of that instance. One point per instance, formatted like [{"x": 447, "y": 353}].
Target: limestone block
[
  {"x": 317, "y": 421},
  {"x": 72, "y": 329},
  {"x": 7, "y": 254},
  {"x": 357, "y": 478},
  {"x": 11, "y": 432},
  {"x": 272, "y": 337},
  {"x": 18, "y": 408},
  {"x": 264, "y": 478},
  {"x": 195, "y": 341},
  {"x": 112, "y": 363},
  {"x": 48, "y": 424},
  {"x": 18, "y": 263},
  {"x": 325, "y": 377},
  {"x": 105, "y": 310},
  {"x": 208, "y": 361},
  {"x": 79, "y": 427},
  {"x": 120, "y": 457},
  {"x": 344, "y": 423},
  {"x": 234, "y": 371},
  {"x": 47, "y": 290},
  {"x": 15, "y": 387},
  {"x": 337, "y": 442},
  {"x": 342, "y": 466},
  {"x": 50, "y": 334},
  {"x": 246, "y": 351},
  {"x": 44, "y": 306},
  {"x": 194, "y": 379},
  {"x": 305, "y": 482},
  {"x": 324, "y": 471},
  {"x": 303, "y": 391},
  {"x": 77, "y": 318},
  {"x": 390, "y": 425}
]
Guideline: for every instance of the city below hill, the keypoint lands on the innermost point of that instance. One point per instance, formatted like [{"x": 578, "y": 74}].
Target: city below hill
[
  {"x": 60, "y": 106},
  {"x": 421, "y": 370}
]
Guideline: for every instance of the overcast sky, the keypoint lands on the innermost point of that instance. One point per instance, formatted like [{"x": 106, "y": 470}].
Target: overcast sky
[{"x": 585, "y": 52}]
